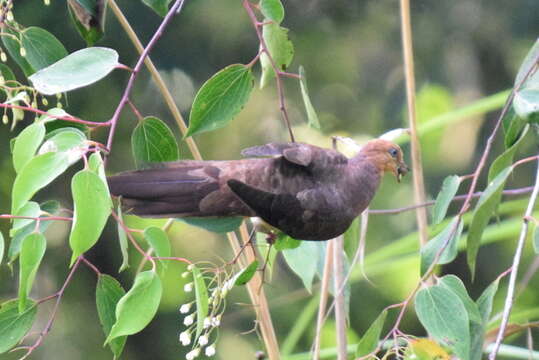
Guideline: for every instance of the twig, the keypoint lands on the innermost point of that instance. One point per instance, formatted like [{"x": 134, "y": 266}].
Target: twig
[
  {"x": 516, "y": 261},
  {"x": 58, "y": 117},
  {"x": 417, "y": 167},
  {"x": 324, "y": 291},
  {"x": 123, "y": 101},
  {"x": 46, "y": 218},
  {"x": 282, "y": 106},
  {"x": 340, "y": 312},
  {"x": 48, "y": 326}
]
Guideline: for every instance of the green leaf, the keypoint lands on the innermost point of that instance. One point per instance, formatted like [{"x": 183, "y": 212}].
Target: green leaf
[
  {"x": 14, "y": 49},
  {"x": 89, "y": 18},
  {"x": 449, "y": 189},
  {"x": 42, "y": 48},
  {"x": 369, "y": 341},
  {"x": 122, "y": 239},
  {"x": 64, "y": 139},
  {"x": 14, "y": 325},
  {"x": 526, "y": 102},
  {"x": 78, "y": 69},
  {"x": 528, "y": 62},
  {"x": 450, "y": 236},
  {"x": 220, "y": 99},
  {"x": 536, "y": 239},
  {"x": 107, "y": 294},
  {"x": 2, "y": 246},
  {"x": 217, "y": 225},
  {"x": 483, "y": 211},
  {"x": 49, "y": 207},
  {"x": 96, "y": 165},
  {"x": 159, "y": 6},
  {"x": 36, "y": 174},
  {"x": 280, "y": 48},
  {"x": 506, "y": 158},
  {"x": 201, "y": 299},
  {"x": 32, "y": 251},
  {"x": 284, "y": 242},
  {"x": 245, "y": 275},
  {"x": 137, "y": 308},
  {"x": 158, "y": 240},
  {"x": 8, "y": 75},
  {"x": 26, "y": 144},
  {"x": 443, "y": 315},
  {"x": 92, "y": 207},
  {"x": 513, "y": 128},
  {"x": 453, "y": 283},
  {"x": 153, "y": 141},
  {"x": 301, "y": 261},
  {"x": 30, "y": 209},
  {"x": 312, "y": 117},
  {"x": 272, "y": 10},
  {"x": 484, "y": 304}
]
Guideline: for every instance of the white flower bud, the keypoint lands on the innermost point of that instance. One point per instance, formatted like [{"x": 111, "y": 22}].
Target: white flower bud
[
  {"x": 192, "y": 354},
  {"x": 210, "y": 350},
  {"x": 185, "y": 274},
  {"x": 216, "y": 321},
  {"x": 185, "y": 338},
  {"x": 188, "y": 287},
  {"x": 184, "y": 309},
  {"x": 190, "y": 267},
  {"x": 207, "y": 323},
  {"x": 203, "y": 340},
  {"x": 189, "y": 319}
]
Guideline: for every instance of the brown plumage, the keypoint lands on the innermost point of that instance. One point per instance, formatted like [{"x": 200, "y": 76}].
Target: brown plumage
[{"x": 308, "y": 192}]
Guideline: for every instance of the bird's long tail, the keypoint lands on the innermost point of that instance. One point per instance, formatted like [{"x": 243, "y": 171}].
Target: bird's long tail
[{"x": 171, "y": 191}]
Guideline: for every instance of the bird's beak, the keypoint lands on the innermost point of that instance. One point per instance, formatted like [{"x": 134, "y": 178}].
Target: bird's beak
[{"x": 402, "y": 170}]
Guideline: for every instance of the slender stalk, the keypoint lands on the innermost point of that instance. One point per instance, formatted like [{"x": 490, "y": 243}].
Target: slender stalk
[
  {"x": 514, "y": 272},
  {"x": 324, "y": 291},
  {"x": 340, "y": 311},
  {"x": 417, "y": 167}
]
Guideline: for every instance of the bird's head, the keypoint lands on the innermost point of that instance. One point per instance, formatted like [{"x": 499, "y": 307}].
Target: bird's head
[{"x": 386, "y": 156}]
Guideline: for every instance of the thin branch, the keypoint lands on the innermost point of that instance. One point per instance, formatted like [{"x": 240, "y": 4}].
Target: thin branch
[
  {"x": 123, "y": 101},
  {"x": 338, "y": 282},
  {"x": 280, "y": 89},
  {"x": 58, "y": 117},
  {"x": 516, "y": 261},
  {"x": 417, "y": 166},
  {"x": 324, "y": 291},
  {"x": 47, "y": 218}
]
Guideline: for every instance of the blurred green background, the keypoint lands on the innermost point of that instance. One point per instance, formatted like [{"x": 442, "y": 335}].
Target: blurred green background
[{"x": 351, "y": 51}]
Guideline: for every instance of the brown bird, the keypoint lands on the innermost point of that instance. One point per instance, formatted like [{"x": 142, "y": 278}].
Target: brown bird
[{"x": 308, "y": 192}]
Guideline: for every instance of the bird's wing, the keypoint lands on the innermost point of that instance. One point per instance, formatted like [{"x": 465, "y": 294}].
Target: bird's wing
[{"x": 299, "y": 153}]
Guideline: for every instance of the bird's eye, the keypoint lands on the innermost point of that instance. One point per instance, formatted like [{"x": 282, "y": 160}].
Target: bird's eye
[{"x": 393, "y": 152}]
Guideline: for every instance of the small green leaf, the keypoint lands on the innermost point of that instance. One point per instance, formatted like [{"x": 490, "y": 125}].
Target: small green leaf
[
  {"x": 513, "y": 125},
  {"x": 284, "y": 242},
  {"x": 159, "y": 6},
  {"x": 92, "y": 207},
  {"x": 483, "y": 211},
  {"x": 42, "y": 48},
  {"x": 137, "y": 308},
  {"x": 32, "y": 251},
  {"x": 26, "y": 144},
  {"x": 153, "y": 141},
  {"x": 301, "y": 261},
  {"x": 272, "y": 10},
  {"x": 36, "y": 174},
  {"x": 201, "y": 299},
  {"x": 444, "y": 317},
  {"x": 122, "y": 239},
  {"x": 453, "y": 283},
  {"x": 158, "y": 240},
  {"x": 245, "y": 275},
  {"x": 216, "y": 225},
  {"x": 89, "y": 18},
  {"x": 526, "y": 102},
  {"x": 449, "y": 189},
  {"x": 484, "y": 304},
  {"x": 220, "y": 99},
  {"x": 14, "y": 325},
  {"x": 78, "y": 69},
  {"x": 506, "y": 158},
  {"x": 536, "y": 239},
  {"x": 369, "y": 341},
  {"x": 63, "y": 139},
  {"x": 107, "y": 294},
  {"x": 449, "y": 237},
  {"x": 14, "y": 49},
  {"x": 96, "y": 165},
  {"x": 528, "y": 62},
  {"x": 311, "y": 113},
  {"x": 30, "y": 209},
  {"x": 280, "y": 48}
]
